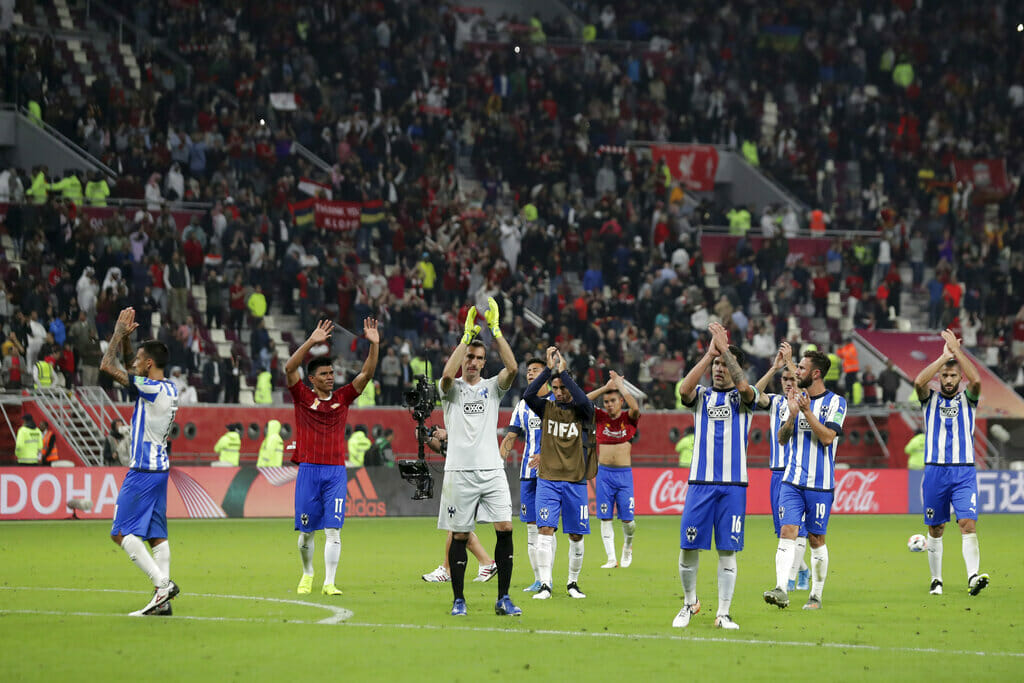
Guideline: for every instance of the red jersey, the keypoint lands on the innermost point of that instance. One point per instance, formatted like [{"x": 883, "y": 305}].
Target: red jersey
[
  {"x": 618, "y": 430},
  {"x": 320, "y": 424}
]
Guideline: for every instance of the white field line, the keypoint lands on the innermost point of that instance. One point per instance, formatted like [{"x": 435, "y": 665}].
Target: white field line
[{"x": 341, "y": 615}]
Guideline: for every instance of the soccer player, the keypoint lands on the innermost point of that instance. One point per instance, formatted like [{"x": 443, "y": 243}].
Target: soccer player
[
  {"x": 525, "y": 423},
  {"x": 320, "y": 415},
  {"x": 615, "y": 429},
  {"x": 566, "y": 460},
  {"x": 778, "y": 410},
  {"x": 141, "y": 510},
  {"x": 438, "y": 442},
  {"x": 811, "y": 430},
  {"x": 475, "y": 487},
  {"x": 949, "y": 474},
  {"x": 716, "y": 502}
]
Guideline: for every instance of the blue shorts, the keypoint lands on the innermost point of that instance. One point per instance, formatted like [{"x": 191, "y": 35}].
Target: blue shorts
[
  {"x": 528, "y": 501},
  {"x": 141, "y": 508},
  {"x": 320, "y": 492},
  {"x": 798, "y": 506},
  {"x": 613, "y": 489},
  {"x": 946, "y": 484},
  {"x": 713, "y": 509},
  {"x": 773, "y": 493},
  {"x": 566, "y": 500}
]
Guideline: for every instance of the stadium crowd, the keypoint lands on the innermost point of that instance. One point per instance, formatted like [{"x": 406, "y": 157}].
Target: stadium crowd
[{"x": 407, "y": 100}]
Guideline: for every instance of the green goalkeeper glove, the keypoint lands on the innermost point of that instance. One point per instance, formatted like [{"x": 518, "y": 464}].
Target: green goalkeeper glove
[
  {"x": 493, "y": 317},
  {"x": 470, "y": 330}
]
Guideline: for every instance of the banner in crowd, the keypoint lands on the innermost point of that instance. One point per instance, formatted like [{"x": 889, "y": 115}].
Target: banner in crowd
[
  {"x": 334, "y": 215},
  {"x": 988, "y": 176},
  {"x": 998, "y": 491},
  {"x": 98, "y": 214},
  {"x": 284, "y": 101},
  {"x": 234, "y": 492},
  {"x": 694, "y": 166}
]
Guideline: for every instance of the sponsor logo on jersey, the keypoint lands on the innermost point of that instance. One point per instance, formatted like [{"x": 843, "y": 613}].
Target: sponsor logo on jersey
[
  {"x": 473, "y": 408},
  {"x": 614, "y": 433},
  {"x": 804, "y": 424},
  {"x": 949, "y": 412},
  {"x": 563, "y": 430},
  {"x": 534, "y": 422},
  {"x": 719, "y": 412},
  {"x": 362, "y": 497}
]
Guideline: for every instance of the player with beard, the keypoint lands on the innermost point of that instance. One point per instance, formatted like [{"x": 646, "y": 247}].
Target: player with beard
[{"x": 949, "y": 470}]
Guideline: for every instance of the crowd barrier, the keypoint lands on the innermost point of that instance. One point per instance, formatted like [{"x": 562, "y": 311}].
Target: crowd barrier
[{"x": 234, "y": 492}]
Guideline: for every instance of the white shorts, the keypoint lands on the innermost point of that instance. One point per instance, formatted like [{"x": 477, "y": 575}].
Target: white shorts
[{"x": 469, "y": 496}]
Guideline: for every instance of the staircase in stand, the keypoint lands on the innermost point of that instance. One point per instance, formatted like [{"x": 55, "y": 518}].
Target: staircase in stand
[{"x": 79, "y": 419}]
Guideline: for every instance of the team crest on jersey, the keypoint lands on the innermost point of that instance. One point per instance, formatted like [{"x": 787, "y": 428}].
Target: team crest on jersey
[
  {"x": 522, "y": 509},
  {"x": 473, "y": 408},
  {"x": 451, "y": 511},
  {"x": 483, "y": 392},
  {"x": 949, "y": 412},
  {"x": 719, "y": 412},
  {"x": 542, "y": 513},
  {"x": 604, "y": 508},
  {"x": 734, "y": 398},
  {"x": 691, "y": 533},
  {"x": 930, "y": 513},
  {"x": 304, "y": 518},
  {"x": 782, "y": 511},
  {"x": 315, "y": 404}
]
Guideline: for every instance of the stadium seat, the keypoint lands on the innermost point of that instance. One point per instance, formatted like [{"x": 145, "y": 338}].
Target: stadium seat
[{"x": 245, "y": 397}]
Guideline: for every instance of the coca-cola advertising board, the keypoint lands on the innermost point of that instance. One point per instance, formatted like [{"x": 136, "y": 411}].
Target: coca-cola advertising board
[{"x": 662, "y": 491}]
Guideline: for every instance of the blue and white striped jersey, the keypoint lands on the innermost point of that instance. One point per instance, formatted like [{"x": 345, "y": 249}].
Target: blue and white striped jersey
[
  {"x": 721, "y": 428},
  {"x": 811, "y": 465},
  {"x": 525, "y": 423},
  {"x": 949, "y": 429},
  {"x": 156, "y": 402},
  {"x": 778, "y": 412}
]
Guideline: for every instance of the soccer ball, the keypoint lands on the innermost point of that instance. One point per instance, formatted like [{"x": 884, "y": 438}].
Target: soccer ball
[{"x": 917, "y": 543}]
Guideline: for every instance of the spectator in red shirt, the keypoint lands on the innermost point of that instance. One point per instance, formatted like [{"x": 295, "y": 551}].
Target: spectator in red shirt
[
  {"x": 819, "y": 292},
  {"x": 236, "y": 303}
]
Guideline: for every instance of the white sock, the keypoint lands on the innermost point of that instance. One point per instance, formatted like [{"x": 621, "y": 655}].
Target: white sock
[
  {"x": 819, "y": 570},
  {"x": 307, "y": 544},
  {"x": 726, "y": 579},
  {"x": 162, "y": 557},
  {"x": 784, "y": 561},
  {"x": 935, "y": 556},
  {"x": 798, "y": 557},
  {"x": 531, "y": 548},
  {"x": 972, "y": 554},
  {"x": 608, "y": 538},
  {"x": 554, "y": 551},
  {"x": 628, "y": 530},
  {"x": 141, "y": 558},
  {"x": 545, "y": 558},
  {"x": 575, "y": 559},
  {"x": 332, "y": 554},
  {"x": 689, "y": 560}
]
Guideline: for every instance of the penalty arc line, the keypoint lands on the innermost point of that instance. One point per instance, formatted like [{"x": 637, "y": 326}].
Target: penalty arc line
[
  {"x": 338, "y": 614},
  {"x": 341, "y": 615}
]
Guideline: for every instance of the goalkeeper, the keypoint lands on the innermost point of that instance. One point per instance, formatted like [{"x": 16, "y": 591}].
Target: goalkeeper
[{"x": 475, "y": 486}]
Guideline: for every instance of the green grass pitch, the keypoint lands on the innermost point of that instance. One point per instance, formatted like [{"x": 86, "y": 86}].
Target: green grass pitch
[{"x": 65, "y": 591}]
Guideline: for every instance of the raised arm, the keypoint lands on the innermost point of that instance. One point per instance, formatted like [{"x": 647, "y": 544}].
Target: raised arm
[
  {"x": 739, "y": 377},
  {"x": 601, "y": 390},
  {"x": 319, "y": 335},
  {"x": 580, "y": 402},
  {"x": 688, "y": 389},
  {"x": 631, "y": 403},
  {"x": 372, "y": 335},
  {"x": 451, "y": 367},
  {"x": 926, "y": 375},
  {"x": 508, "y": 359},
  {"x": 968, "y": 368},
  {"x": 532, "y": 393},
  {"x": 123, "y": 328},
  {"x": 786, "y": 429}
]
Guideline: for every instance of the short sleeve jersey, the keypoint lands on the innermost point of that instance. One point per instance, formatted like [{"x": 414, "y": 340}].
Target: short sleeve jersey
[
  {"x": 778, "y": 413},
  {"x": 949, "y": 429},
  {"x": 614, "y": 430},
  {"x": 811, "y": 464},
  {"x": 156, "y": 403},
  {"x": 527, "y": 424},
  {"x": 471, "y": 418},
  {"x": 320, "y": 424},
  {"x": 721, "y": 425}
]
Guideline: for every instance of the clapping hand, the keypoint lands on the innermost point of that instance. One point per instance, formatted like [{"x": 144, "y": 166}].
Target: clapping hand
[
  {"x": 471, "y": 329},
  {"x": 126, "y": 322},
  {"x": 493, "y": 317},
  {"x": 952, "y": 343}
]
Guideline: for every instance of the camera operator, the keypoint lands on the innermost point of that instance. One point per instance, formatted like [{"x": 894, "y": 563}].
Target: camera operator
[{"x": 436, "y": 439}]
